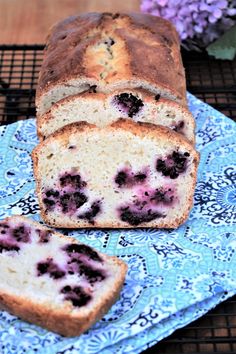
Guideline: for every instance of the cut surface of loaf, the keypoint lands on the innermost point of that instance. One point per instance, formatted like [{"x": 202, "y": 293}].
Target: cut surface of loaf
[
  {"x": 110, "y": 52},
  {"x": 103, "y": 109},
  {"x": 124, "y": 175},
  {"x": 54, "y": 281}
]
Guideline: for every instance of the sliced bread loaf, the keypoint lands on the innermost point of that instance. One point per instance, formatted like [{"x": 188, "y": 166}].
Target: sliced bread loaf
[
  {"x": 54, "y": 281},
  {"x": 103, "y": 109},
  {"x": 124, "y": 175}
]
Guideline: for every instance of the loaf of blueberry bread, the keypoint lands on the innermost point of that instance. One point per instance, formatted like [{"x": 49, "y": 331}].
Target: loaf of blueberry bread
[
  {"x": 103, "y": 109},
  {"x": 124, "y": 175},
  {"x": 105, "y": 52},
  {"x": 54, "y": 281}
]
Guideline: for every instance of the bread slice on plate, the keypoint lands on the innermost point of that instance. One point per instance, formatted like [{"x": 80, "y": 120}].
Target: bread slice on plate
[
  {"x": 124, "y": 175},
  {"x": 110, "y": 52},
  {"x": 55, "y": 281},
  {"x": 103, "y": 109}
]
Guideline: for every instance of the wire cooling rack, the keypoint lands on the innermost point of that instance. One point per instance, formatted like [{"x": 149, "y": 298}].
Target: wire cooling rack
[{"x": 214, "y": 82}]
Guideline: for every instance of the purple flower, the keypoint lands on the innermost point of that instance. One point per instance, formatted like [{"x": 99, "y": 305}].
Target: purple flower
[{"x": 203, "y": 20}]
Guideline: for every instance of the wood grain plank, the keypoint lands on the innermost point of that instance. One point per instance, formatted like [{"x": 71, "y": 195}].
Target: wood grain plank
[{"x": 28, "y": 21}]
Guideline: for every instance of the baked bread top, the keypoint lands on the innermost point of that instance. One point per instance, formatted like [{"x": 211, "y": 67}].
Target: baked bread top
[{"x": 113, "y": 51}]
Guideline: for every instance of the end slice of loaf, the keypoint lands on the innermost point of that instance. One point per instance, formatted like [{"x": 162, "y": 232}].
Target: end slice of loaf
[
  {"x": 124, "y": 175},
  {"x": 103, "y": 109},
  {"x": 54, "y": 281}
]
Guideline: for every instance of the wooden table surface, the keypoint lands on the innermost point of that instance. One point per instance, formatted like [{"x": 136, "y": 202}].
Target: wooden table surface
[{"x": 28, "y": 21}]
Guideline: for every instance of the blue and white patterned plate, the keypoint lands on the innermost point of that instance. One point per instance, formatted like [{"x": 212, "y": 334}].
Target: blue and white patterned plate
[{"x": 174, "y": 277}]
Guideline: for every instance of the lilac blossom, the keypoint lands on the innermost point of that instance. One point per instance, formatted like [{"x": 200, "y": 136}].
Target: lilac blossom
[{"x": 203, "y": 20}]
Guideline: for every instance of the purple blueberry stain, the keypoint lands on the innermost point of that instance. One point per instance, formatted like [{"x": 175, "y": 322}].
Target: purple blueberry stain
[
  {"x": 91, "y": 274},
  {"x": 110, "y": 41},
  {"x": 49, "y": 203},
  {"x": 76, "y": 294},
  {"x": 173, "y": 165},
  {"x": 152, "y": 197},
  {"x": 140, "y": 204},
  {"x": 79, "y": 258},
  {"x": 75, "y": 248},
  {"x": 42, "y": 268},
  {"x": 140, "y": 177},
  {"x": 4, "y": 229},
  {"x": 52, "y": 193},
  {"x": 134, "y": 217},
  {"x": 15, "y": 235},
  {"x": 4, "y": 226},
  {"x": 178, "y": 127},
  {"x": 162, "y": 196},
  {"x": 121, "y": 178},
  {"x": 128, "y": 103},
  {"x": 21, "y": 234},
  {"x": 66, "y": 289},
  {"x": 126, "y": 178},
  {"x": 92, "y": 212},
  {"x": 44, "y": 235},
  {"x": 70, "y": 202},
  {"x": 74, "y": 181},
  {"x": 148, "y": 205},
  {"x": 8, "y": 247},
  {"x": 50, "y": 268},
  {"x": 77, "y": 266},
  {"x": 68, "y": 196},
  {"x": 65, "y": 201}
]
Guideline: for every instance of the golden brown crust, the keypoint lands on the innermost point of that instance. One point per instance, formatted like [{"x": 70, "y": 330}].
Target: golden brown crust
[
  {"x": 139, "y": 129},
  {"x": 118, "y": 225},
  {"x": 65, "y": 322},
  {"x": 69, "y": 51},
  {"x": 54, "y": 320},
  {"x": 82, "y": 125},
  {"x": 155, "y": 131}
]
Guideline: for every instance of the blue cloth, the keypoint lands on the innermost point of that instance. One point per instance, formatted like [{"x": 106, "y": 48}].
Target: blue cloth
[{"x": 174, "y": 277}]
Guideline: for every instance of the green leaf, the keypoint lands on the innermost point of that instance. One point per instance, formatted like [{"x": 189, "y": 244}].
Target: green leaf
[{"x": 225, "y": 46}]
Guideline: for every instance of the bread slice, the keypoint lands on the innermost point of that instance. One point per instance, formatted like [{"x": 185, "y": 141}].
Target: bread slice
[
  {"x": 54, "y": 281},
  {"x": 111, "y": 52},
  {"x": 124, "y": 175},
  {"x": 103, "y": 109}
]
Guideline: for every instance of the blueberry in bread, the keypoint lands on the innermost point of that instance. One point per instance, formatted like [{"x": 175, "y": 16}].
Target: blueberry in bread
[
  {"x": 105, "y": 52},
  {"x": 54, "y": 281},
  {"x": 103, "y": 109},
  {"x": 123, "y": 175}
]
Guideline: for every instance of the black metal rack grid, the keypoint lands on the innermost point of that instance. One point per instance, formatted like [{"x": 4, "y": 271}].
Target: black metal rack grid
[
  {"x": 19, "y": 68},
  {"x": 211, "y": 80},
  {"x": 214, "y": 82}
]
